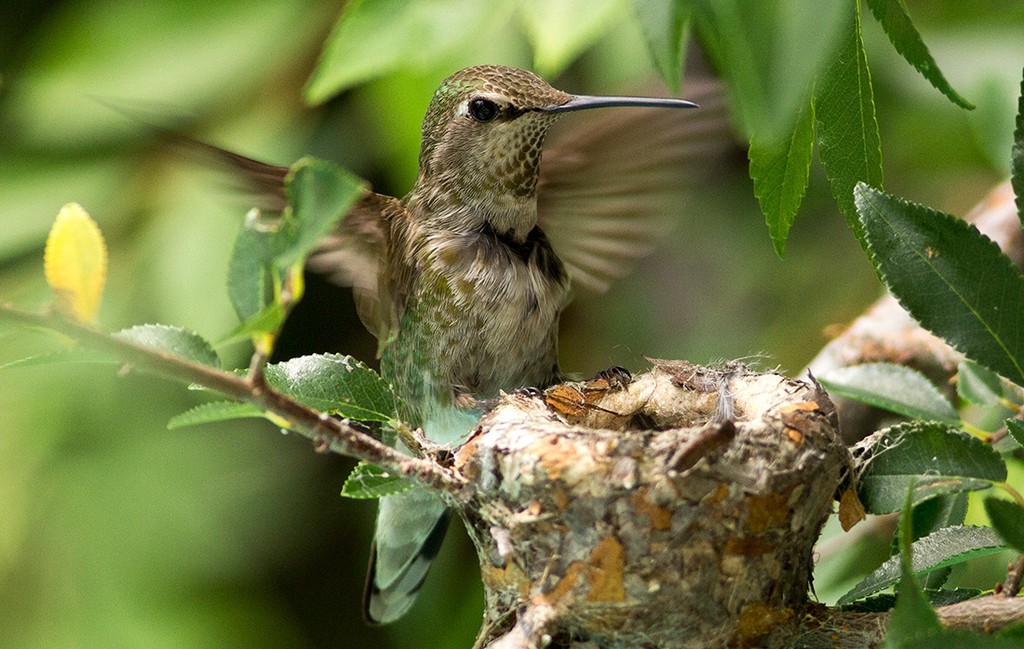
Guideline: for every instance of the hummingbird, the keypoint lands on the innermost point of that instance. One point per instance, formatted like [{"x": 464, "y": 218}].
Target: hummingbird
[{"x": 463, "y": 280}]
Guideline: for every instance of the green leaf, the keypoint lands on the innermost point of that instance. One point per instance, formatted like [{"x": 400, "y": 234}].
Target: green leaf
[
  {"x": 934, "y": 514},
  {"x": 320, "y": 194},
  {"x": 1017, "y": 156},
  {"x": 873, "y": 604},
  {"x": 1008, "y": 520},
  {"x": 881, "y": 490},
  {"x": 978, "y": 385},
  {"x": 937, "y": 513},
  {"x": 269, "y": 320},
  {"x": 936, "y": 597},
  {"x": 335, "y": 384},
  {"x": 250, "y": 276},
  {"x": 848, "y": 141},
  {"x": 665, "y": 24},
  {"x": 951, "y": 278},
  {"x": 946, "y": 547},
  {"x": 769, "y": 54},
  {"x": 947, "y": 596},
  {"x": 780, "y": 170},
  {"x": 560, "y": 31},
  {"x": 171, "y": 339},
  {"x": 1016, "y": 429},
  {"x": 376, "y": 37},
  {"x": 371, "y": 481},
  {"x": 213, "y": 412},
  {"x": 907, "y": 41},
  {"x": 937, "y": 459},
  {"x": 899, "y": 389},
  {"x": 912, "y": 616}
]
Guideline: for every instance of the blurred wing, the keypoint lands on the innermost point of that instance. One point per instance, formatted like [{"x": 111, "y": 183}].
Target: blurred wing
[
  {"x": 351, "y": 254},
  {"x": 612, "y": 180},
  {"x": 348, "y": 256},
  {"x": 262, "y": 183}
]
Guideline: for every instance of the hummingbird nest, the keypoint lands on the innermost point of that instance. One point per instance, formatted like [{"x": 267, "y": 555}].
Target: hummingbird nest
[{"x": 676, "y": 509}]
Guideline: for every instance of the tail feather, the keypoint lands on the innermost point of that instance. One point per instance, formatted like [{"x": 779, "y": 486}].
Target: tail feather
[{"x": 410, "y": 529}]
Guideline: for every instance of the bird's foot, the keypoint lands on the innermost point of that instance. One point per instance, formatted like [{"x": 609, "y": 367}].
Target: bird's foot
[
  {"x": 528, "y": 391},
  {"x": 614, "y": 377}
]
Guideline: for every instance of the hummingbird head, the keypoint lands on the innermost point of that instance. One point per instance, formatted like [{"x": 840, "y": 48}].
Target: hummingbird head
[{"x": 482, "y": 139}]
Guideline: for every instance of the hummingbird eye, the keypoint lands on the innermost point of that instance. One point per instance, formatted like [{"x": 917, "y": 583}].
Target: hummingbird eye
[{"x": 483, "y": 110}]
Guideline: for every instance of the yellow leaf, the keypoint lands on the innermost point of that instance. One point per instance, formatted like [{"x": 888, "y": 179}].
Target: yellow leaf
[{"x": 75, "y": 263}]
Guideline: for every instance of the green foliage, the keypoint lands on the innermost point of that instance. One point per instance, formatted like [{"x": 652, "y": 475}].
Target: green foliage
[
  {"x": 270, "y": 252},
  {"x": 374, "y": 37},
  {"x": 945, "y": 547},
  {"x": 250, "y": 279},
  {"x": 370, "y": 481},
  {"x": 934, "y": 514},
  {"x": 1016, "y": 429},
  {"x": 214, "y": 411},
  {"x": 933, "y": 457},
  {"x": 560, "y": 31},
  {"x": 269, "y": 318},
  {"x": 895, "y": 20},
  {"x": 320, "y": 194},
  {"x": 666, "y": 25},
  {"x": 960, "y": 638},
  {"x": 1008, "y": 520},
  {"x": 336, "y": 384},
  {"x": 834, "y": 61},
  {"x": 848, "y": 140},
  {"x": 769, "y": 55},
  {"x": 958, "y": 284},
  {"x": 885, "y": 601},
  {"x": 979, "y": 385},
  {"x": 913, "y": 623},
  {"x": 63, "y": 356},
  {"x": 894, "y": 387},
  {"x": 954, "y": 280},
  {"x": 175, "y": 340},
  {"x": 780, "y": 170},
  {"x": 912, "y": 616}
]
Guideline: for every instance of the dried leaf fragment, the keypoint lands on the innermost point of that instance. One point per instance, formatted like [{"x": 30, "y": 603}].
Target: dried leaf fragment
[{"x": 851, "y": 510}]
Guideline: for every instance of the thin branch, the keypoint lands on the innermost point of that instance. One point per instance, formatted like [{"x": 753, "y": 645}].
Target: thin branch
[
  {"x": 1014, "y": 574},
  {"x": 326, "y": 431}
]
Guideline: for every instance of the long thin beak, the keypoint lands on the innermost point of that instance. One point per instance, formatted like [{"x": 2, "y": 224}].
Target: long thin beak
[{"x": 584, "y": 102}]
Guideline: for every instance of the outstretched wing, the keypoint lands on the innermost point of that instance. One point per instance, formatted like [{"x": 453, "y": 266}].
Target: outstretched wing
[
  {"x": 349, "y": 255},
  {"x": 611, "y": 181}
]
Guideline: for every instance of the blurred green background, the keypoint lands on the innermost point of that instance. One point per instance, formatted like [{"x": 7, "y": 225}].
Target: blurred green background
[{"x": 116, "y": 532}]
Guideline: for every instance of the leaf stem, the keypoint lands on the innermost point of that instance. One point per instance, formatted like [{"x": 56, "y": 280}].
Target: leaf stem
[
  {"x": 1010, "y": 490},
  {"x": 1011, "y": 585}
]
